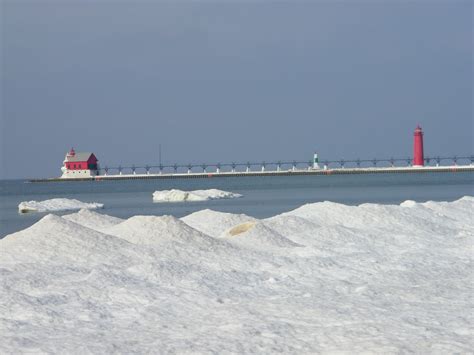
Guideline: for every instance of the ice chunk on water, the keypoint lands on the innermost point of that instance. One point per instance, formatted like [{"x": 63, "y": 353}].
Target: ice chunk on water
[
  {"x": 56, "y": 204},
  {"x": 196, "y": 195}
]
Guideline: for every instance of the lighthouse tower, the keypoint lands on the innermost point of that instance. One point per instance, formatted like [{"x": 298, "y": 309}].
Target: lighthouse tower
[{"x": 418, "y": 157}]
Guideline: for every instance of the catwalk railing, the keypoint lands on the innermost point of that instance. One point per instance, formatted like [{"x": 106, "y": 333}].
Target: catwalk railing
[{"x": 280, "y": 165}]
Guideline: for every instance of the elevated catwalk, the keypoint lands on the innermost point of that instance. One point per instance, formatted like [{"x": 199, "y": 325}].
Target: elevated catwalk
[{"x": 298, "y": 172}]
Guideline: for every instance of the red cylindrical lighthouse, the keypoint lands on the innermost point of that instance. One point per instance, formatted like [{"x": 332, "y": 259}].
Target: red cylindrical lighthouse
[{"x": 418, "y": 157}]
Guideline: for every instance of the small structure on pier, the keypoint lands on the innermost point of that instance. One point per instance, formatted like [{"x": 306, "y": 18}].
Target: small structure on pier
[
  {"x": 418, "y": 156},
  {"x": 316, "y": 161},
  {"x": 79, "y": 165}
]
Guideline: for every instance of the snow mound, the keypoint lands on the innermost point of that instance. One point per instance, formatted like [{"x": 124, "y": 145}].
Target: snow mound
[
  {"x": 408, "y": 203},
  {"x": 459, "y": 211},
  {"x": 56, "y": 204},
  {"x": 57, "y": 240},
  {"x": 215, "y": 223},
  {"x": 93, "y": 220},
  {"x": 305, "y": 232},
  {"x": 292, "y": 225},
  {"x": 386, "y": 218},
  {"x": 156, "y": 230},
  {"x": 196, "y": 195}
]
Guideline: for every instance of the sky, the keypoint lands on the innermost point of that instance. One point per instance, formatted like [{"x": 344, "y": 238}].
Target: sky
[{"x": 231, "y": 81}]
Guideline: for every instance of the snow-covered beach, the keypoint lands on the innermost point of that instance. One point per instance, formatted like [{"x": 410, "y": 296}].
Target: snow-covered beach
[{"x": 325, "y": 277}]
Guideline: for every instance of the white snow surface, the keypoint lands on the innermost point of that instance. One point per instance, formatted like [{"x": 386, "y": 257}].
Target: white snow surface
[
  {"x": 56, "y": 204},
  {"x": 324, "y": 278},
  {"x": 196, "y": 195}
]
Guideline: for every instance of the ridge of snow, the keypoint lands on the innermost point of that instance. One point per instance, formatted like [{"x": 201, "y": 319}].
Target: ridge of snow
[
  {"x": 93, "y": 220},
  {"x": 157, "y": 230},
  {"x": 56, "y": 239}
]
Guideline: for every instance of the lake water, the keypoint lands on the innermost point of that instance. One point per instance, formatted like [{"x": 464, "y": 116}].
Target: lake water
[{"x": 262, "y": 196}]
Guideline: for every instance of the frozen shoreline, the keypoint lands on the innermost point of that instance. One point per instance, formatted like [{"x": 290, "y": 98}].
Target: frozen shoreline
[{"x": 325, "y": 277}]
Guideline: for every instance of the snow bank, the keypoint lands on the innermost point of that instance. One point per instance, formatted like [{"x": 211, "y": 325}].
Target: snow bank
[
  {"x": 408, "y": 203},
  {"x": 196, "y": 195},
  {"x": 158, "y": 230},
  {"x": 56, "y": 204},
  {"x": 323, "y": 278}
]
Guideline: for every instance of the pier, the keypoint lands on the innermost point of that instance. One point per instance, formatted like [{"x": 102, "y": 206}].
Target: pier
[{"x": 293, "y": 168}]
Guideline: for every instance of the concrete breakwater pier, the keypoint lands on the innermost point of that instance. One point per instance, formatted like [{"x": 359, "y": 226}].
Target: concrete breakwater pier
[
  {"x": 84, "y": 166},
  {"x": 280, "y": 172}
]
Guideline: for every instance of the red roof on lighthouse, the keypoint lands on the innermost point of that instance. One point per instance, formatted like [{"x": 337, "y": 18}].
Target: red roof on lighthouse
[
  {"x": 74, "y": 157},
  {"x": 82, "y": 156}
]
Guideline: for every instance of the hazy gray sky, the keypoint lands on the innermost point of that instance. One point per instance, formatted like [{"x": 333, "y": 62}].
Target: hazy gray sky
[{"x": 232, "y": 81}]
